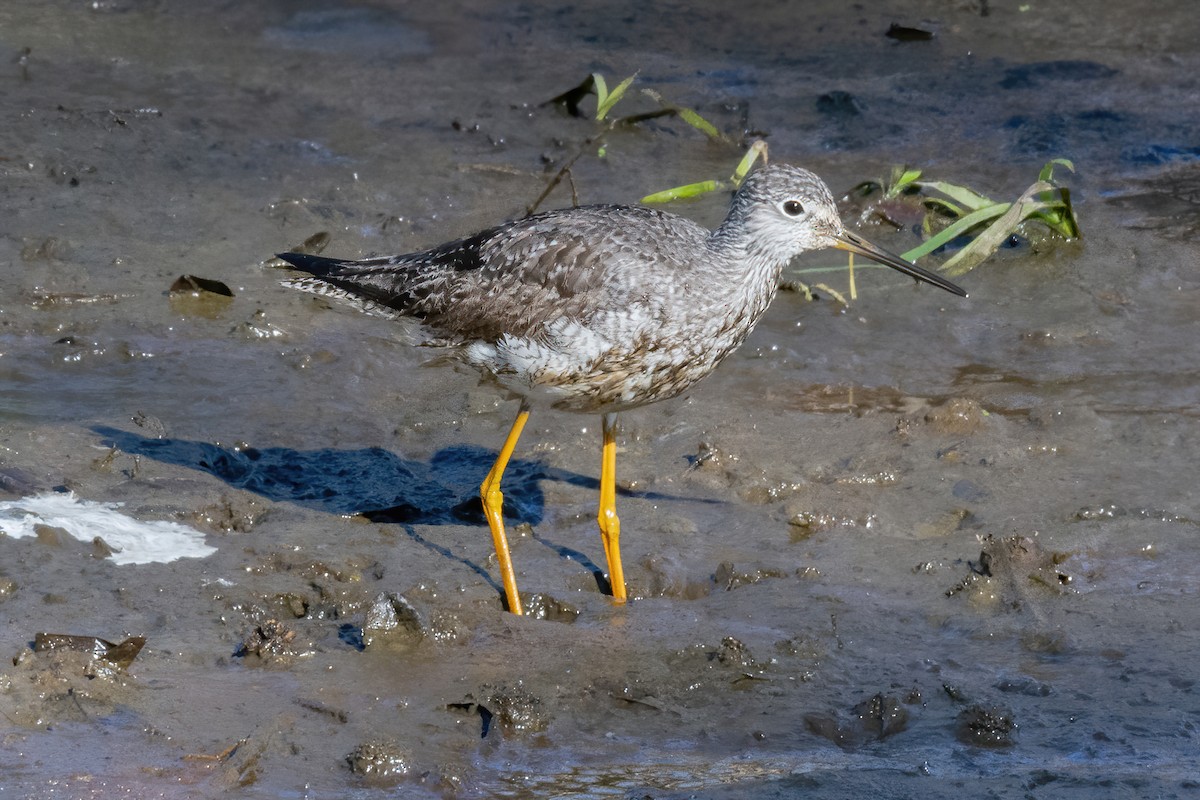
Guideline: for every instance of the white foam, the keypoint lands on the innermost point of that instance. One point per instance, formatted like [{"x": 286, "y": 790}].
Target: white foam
[{"x": 132, "y": 541}]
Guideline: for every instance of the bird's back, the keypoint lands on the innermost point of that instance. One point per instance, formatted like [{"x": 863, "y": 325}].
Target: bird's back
[{"x": 511, "y": 279}]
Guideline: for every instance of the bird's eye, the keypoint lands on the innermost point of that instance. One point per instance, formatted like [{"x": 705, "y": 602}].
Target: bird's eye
[{"x": 793, "y": 208}]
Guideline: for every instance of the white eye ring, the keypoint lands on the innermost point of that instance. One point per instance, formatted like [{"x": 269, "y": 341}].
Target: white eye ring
[{"x": 792, "y": 208}]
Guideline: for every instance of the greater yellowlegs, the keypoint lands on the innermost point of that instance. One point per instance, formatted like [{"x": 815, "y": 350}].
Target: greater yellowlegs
[{"x": 599, "y": 309}]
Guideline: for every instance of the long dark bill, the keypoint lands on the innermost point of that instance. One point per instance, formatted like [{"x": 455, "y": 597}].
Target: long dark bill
[{"x": 856, "y": 244}]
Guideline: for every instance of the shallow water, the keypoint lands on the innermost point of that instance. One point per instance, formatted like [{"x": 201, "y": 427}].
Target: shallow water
[{"x": 803, "y": 532}]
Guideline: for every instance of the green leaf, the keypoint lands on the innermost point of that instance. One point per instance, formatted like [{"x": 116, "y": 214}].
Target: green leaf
[
  {"x": 955, "y": 210},
  {"x": 1047, "y": 173},
  {"x": 601, "y": 88},
  {"x": 957, "y": 229},
  {"x": 698, "y": 122},
  {"x": 902, "y": 178},
  {"x": 757, "y": 150},
  {"x": 1061, "y": 220},
  {"x": 960, "y": 194},
  {"x": 689, "y": 116},
  {"x": 604, "y": 100},
  {"x": 987, "y": 242},
  {"x": 907, "y": 177},
  {"x": 680, "y": 192}
]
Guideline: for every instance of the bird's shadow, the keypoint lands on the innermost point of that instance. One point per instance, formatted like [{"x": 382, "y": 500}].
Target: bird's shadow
[
  {"x": 370, "y": 482},
  {"x": 375, "y": 483}
]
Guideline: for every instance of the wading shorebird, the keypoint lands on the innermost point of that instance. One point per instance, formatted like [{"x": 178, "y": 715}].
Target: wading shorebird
[{"x": 600, "y": 309}]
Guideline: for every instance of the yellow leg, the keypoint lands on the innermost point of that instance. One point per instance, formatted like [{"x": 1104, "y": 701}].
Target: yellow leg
[
  {"x": 610, "y": 525},
  {"x": 493, "y": 504}
]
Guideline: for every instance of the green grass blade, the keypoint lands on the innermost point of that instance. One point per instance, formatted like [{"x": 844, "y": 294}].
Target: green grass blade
[
  {"x": 699, "y": 123},
  {"x": 955, "y": 210},
  {"x": 606, "y": 100},
  {"x": 689, "y": 116},
  {"x": 959, "y": 227},
  {"x": 995, "y": 235},
  {"x": 902, "y": 179},
  {"x": 1047, "y": 173},
  {"x": 1058, "y": 215},
  {"x": 757, "y": 150},
  {"x": 960, "y": 194},
  {"x": 600, "y": 86},
  {"x": 681, "y": 192}
]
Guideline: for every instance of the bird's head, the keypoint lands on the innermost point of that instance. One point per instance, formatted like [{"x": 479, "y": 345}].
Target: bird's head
[{"x": 788, "y": 211}]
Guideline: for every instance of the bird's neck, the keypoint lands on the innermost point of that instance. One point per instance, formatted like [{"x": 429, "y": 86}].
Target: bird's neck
[
  {"x": 748, "y": 268},
  {"x": 745, "y": 271}
]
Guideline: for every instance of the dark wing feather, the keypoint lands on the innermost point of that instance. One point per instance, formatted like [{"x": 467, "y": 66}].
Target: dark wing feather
[{"x": 378, "y": 283}]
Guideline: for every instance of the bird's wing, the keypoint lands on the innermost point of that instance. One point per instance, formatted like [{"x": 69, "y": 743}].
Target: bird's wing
[
  {"x": 507, "y": 280},
  {"x": 561, "y": 265}
]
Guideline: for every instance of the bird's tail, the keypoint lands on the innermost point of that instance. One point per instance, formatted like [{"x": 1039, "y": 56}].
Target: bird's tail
[
  {"x": 318, "y": 266},
  {"x": 371, "y": 285}
]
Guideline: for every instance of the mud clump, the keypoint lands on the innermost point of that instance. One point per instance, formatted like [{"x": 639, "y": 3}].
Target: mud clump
[
  {"x": 392, "y": 617},
  {"x": 515, "y": 709},
  {"x": 1012, "y": 572},
  {"x": 296, "y": 605},
  {"x": 734, "y": 653},
  {"x": 269, "y": 642},
  {"x": 329, "y": 592},
  {"x": 668, "y": 576},
  {"x": 958, "y": 417},
  {"x": 512, "y": 709},
  {"x": 872, "y": 720},
  {"x": 984, "y": 726},
  {"x": 68, "y": 678},
  {"x": 230, "y": 515},
  {"x": 104, "y": 654},
  {"x": 380, "y": 763},
  {"x": 728, "y": 577},
  {"x": 544, "y": 607}
]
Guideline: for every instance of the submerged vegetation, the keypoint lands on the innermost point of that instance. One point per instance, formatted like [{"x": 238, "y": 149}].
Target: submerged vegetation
[{"x": 953, "y": 211}]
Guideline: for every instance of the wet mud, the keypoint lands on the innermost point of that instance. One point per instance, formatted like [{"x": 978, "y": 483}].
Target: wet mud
[{"x": 913, "y": 546}]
